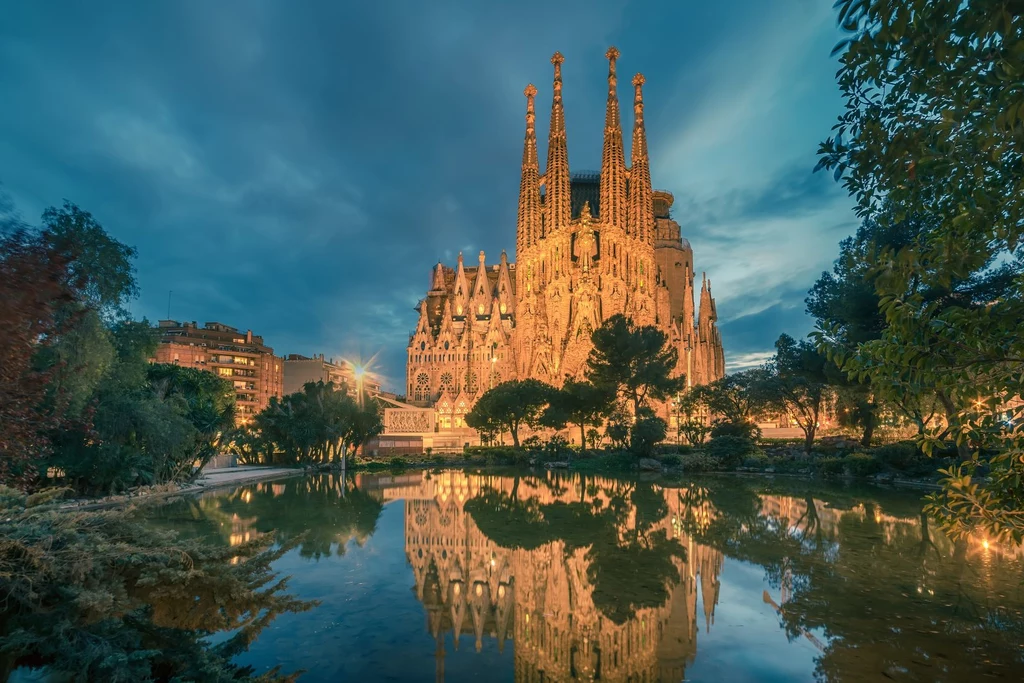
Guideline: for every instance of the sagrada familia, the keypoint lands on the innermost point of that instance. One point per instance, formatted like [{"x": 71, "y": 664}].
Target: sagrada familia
[{"x": 588, "y": 246}]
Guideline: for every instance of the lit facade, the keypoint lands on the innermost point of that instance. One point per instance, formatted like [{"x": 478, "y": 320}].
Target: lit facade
[
  {"x": 239, "y": 357},
  {"x": 588, "y": 246}
]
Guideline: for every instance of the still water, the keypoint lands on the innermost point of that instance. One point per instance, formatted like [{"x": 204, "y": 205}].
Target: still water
[{"x": 458, "y": 576}]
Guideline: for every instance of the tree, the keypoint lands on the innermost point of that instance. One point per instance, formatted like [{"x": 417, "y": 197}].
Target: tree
[
  {"x": 798, "y": 380},
  {"x": 932, "y": 127},
  {"x": 636, "y": 362},
  {"x": 739, "y": 397},
  {"x": 33, "y": 283},
  {"x": 646, "y": 432},
  {"x": 581, "y": 404},
  {"x": 509, "y": 406}
]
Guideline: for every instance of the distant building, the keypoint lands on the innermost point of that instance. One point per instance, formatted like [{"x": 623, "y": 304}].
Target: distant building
[
  {"x": 298, "y": 370},
  {"x": 240, "y": 357}
]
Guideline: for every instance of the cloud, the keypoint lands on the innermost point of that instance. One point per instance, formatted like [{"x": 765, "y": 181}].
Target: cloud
[{"x": 300, "y": 172}]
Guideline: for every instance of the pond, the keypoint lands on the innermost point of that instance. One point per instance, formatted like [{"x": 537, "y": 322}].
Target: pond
[{"x": 455, "y": 576}]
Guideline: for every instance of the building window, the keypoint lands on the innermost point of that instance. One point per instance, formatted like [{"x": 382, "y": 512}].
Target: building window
[{"x": 422, "y": 387}]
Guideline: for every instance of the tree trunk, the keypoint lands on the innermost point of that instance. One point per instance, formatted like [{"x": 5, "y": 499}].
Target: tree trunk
[
  {"x": 514, "y": 431},
  {"x": 962, "y": 449},
  {"x": 583, "y": 436},
  {"x": 869, "y": 426},
  {"x": 809, "y": 432}
]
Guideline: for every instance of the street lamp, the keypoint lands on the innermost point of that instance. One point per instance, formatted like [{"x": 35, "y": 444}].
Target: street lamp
[{"x": 359, "y": 371}]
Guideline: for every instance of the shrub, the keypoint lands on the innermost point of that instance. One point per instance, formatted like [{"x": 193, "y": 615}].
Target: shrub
[
  {"x": 862, "y": 465},
  {"x": 899, "y": 456},
  {"x": 747, "y": 430},
  {"x": 831, "y": 466},
  {"x": 437, "y": 459},
  {"x": 671, "y": 460},
  {"x": 397, "y": 463},
  {"x": 700, "y": 462},
  {"x": 647, "y": 431},
  {"x": 730, "y": 450},
  {"x": 757, "y": 460}
]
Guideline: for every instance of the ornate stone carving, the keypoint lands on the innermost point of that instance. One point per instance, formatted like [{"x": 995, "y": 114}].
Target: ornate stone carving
[{"x": 408, "y": 420}]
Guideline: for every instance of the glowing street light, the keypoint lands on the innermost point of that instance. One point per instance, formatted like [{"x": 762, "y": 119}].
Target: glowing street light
[{"x": 359, "y": 371}]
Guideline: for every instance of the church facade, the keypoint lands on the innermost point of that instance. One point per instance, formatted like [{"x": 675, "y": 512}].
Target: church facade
[{"x": 588, "y": 246}]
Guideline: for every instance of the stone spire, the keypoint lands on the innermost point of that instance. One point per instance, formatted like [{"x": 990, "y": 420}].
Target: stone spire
[
  {"x": 557, "y": 199},
  {"x": 528, "y": 225},
  {"x": 612, "y": 204},
  {"x": 641, "y": 199}
]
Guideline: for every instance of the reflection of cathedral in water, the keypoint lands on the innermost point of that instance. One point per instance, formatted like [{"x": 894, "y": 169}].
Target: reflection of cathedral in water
[{"x": 542, "y": 599}]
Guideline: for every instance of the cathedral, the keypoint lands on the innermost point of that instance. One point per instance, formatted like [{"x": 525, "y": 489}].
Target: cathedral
[{"x": 588, "y": 246}]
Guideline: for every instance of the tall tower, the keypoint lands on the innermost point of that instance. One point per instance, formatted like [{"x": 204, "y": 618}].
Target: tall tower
[
  {"x": 612, "y": 204},
  {"x": 557, "y": 198},
  {"x": 528, "y": 223}
]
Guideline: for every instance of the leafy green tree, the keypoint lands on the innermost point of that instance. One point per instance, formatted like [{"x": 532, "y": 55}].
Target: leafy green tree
[
  {"x": 147, "y": 423},
  {"x": 581, "y": 404},
  {"x": 105, "y": 596},
  {"x": 510, "y": 406},
  {"x": 636, "y": 362},
  {"x": 738, "y": 397},
  {"x": 798, "y": 380},
  {"x": 932, "y": 127},
  {"x": 99, "y": 266},
  {"x": 318, "y": 424}
]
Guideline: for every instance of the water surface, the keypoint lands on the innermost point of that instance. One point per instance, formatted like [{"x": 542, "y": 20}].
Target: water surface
[{"x": 456, "y": 576}]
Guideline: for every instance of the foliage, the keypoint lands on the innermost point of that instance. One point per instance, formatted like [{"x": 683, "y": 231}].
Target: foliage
[
  {"x": 618, "y": 431},
  {"x": 739, "y": 397},
  {"x": 578, "y": 403},
  {"x": 149, "y": 423},
  {"x": 671, "y": 460},
  {"x": 730, "y": 451},
  {"x": 648, "y": 431},
  {"x": 799, "y": 379},
  {"x": 34, "y": 282},
  {"x": 635, "y": 362},
  {"x": 319, "y": 424},
  {"x": 932, "y": 127},
  {"x": 102, "y": 596},
  {"x": 510, "y": 406},
  {"x": 744, "y": 429},
  {"x": 700, "y": 461}
]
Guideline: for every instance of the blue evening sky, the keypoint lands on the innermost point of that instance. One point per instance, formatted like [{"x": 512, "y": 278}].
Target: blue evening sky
[{"x": 297, "y": 168}]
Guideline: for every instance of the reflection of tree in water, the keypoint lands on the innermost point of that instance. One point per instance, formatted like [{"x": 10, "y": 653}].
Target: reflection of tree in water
[
  {"x": 893, "y": 600},
  {"x": 322, "y": 514},
  {"x": 107, "y": 596}
]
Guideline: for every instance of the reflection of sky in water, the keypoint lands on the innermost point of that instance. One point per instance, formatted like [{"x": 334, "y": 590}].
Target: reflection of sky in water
[
  {"x": 745, "y": 642},
  {"x": 370, "y": 625}
]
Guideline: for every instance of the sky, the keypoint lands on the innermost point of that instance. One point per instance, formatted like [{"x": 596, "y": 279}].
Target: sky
[{"x": 297, "y": 168}]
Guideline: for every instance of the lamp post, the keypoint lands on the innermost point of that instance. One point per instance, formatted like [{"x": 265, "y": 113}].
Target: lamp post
[{"x": 359, "y": 371}]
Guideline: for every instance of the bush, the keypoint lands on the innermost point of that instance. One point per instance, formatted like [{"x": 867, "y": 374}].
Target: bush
[
  {"x": 397, "y": 463},
  {"x": 862, "y": 465},
  {"x": 902, "y": 455},
  {"x": 832, "y": 466},
  {"x": 646, "y": 433},
  {"x": 437, "y": 459},
  {"x": 747, "y": 430},
  {"x": 730, "y": 450},
  {"x": 700, "y": 462},
  {"x": 757, "y": 460},
  {"x": 671, "y": 460}
]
